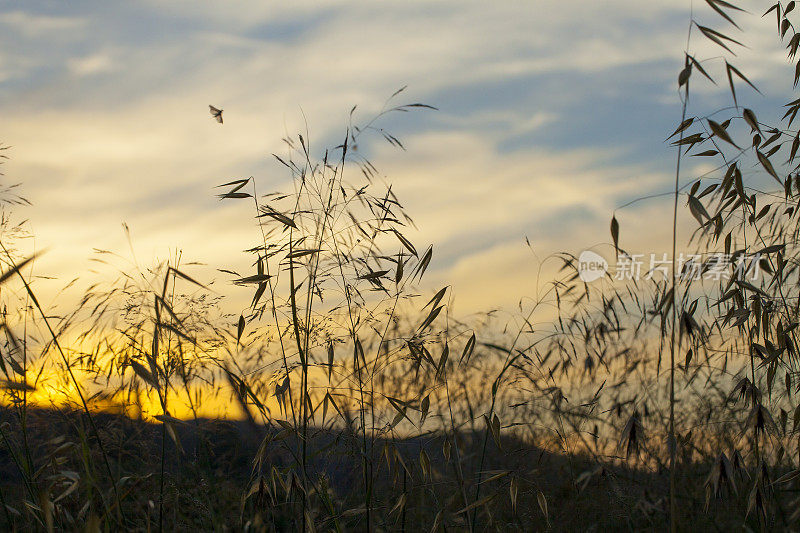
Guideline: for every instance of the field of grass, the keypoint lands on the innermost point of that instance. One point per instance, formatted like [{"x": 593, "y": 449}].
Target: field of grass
[
  {"x": 203, "y": 490},
  {"x": 363, "y": 403}
]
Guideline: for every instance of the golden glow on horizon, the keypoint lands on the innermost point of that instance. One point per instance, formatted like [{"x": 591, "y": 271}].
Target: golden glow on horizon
[{"x": 206, "y": 402}]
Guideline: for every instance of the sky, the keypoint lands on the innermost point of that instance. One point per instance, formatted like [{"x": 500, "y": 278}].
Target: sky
[{"x": 551, "y": 115}]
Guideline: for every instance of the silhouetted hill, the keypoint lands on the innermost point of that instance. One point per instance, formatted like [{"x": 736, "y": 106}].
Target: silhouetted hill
[{"x": 211, "y": 468}]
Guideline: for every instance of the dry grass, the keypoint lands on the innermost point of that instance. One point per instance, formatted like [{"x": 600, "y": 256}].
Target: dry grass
[{"x": 368, "y": 406}]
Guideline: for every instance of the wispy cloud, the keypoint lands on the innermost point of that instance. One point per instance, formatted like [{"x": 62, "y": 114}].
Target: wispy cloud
[
  {"x": 92, "y": 64},
  {"x": 38, "y": 25},
  {"x": 549, "y": 117}
]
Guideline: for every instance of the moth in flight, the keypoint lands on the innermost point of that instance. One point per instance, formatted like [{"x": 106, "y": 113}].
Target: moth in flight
[{"x": 216, "y": 113}]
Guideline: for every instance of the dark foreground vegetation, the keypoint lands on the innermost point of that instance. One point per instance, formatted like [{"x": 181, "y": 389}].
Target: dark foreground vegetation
[
  {"x": 205, "y": 480},
  {"x": 663, "y": 403}
]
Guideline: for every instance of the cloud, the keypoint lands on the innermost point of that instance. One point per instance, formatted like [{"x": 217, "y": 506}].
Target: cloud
[
  {"x": 37, "y": 25},
  {"x": 549, "y": 119},
  {"x": 91, "y": 64}
]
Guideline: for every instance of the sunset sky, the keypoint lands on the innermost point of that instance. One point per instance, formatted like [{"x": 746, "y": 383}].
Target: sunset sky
[{"x": 551, "y": 115}]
